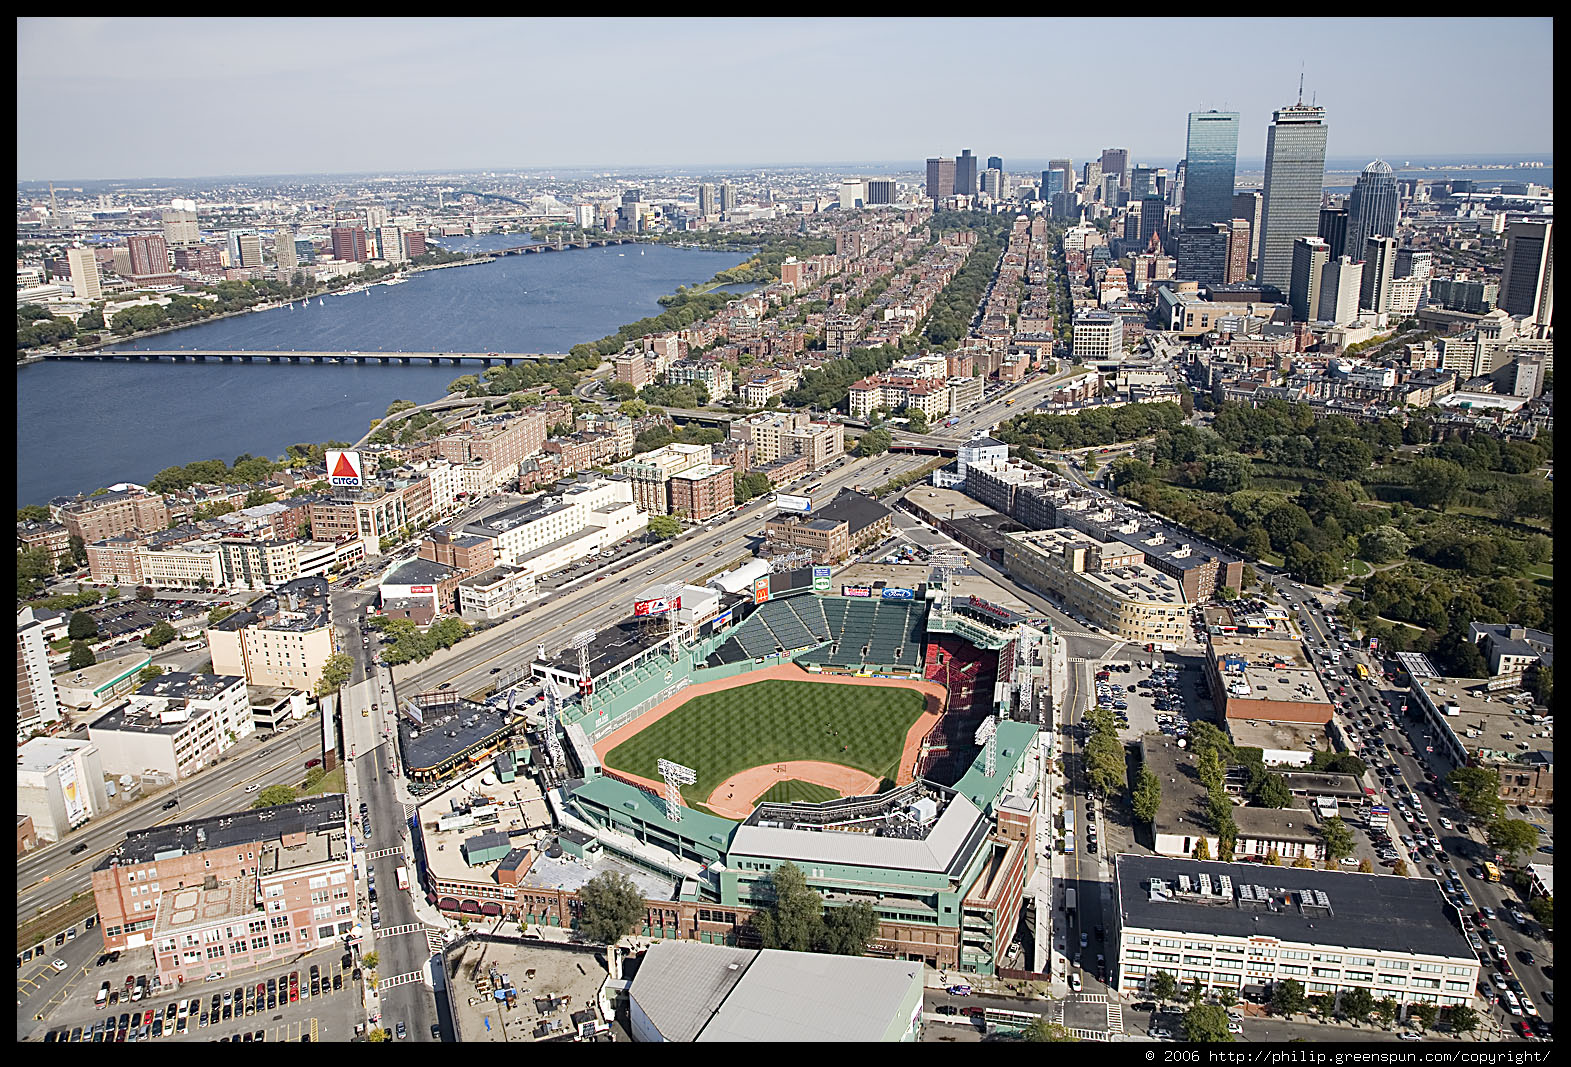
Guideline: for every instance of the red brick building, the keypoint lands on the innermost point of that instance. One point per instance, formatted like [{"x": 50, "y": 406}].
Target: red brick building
[{"x": 703, "y": 492}]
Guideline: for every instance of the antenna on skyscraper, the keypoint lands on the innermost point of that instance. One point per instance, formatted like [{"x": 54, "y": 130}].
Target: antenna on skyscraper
[{"x": 1300, "y": 84}]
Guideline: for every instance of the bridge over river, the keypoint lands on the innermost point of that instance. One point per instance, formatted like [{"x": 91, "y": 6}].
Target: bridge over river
[{"x": 264, "y": 356}]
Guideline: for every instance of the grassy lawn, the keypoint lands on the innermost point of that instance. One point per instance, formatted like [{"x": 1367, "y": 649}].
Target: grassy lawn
[
  {"x": 791, "y": 790},
  {"x": 1543, "y": 572},
  {"x": 1360, "y": 568},
  {"x": 720, "y": 733},
  {"x": 332, "y": 782}
]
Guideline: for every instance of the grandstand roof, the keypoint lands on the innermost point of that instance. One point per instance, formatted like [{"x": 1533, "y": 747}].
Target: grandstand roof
[
  {"x": 983, "y": 789},
  {"x": 944, "y": 846}
]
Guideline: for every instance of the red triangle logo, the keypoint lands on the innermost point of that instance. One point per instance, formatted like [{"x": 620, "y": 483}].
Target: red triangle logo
[{"x": 345, "y": 469}]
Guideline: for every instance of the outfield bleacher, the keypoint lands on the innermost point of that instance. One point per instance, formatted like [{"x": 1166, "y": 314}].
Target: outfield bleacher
[{"x": 830, "y": 632}]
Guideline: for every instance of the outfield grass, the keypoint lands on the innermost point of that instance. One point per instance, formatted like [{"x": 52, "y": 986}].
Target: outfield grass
[
  {"x": 792, "y": 790},
  {"x": 718, "y": 734}
]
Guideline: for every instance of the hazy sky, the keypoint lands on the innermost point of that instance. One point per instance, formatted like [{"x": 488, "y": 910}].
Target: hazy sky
[{"x": 123, "y": 98}]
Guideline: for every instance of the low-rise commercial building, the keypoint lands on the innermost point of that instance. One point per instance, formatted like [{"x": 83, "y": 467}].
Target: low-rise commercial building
[
  {"x": 1245, "y": 927},
  {"x": 1106, "y": 582},
  {"x": 94, "y": 688},
  {"x": 59, "y": 785},
  {"x": 1265, "y": 678},
  {"x": 548, "y": 533},
  {"x": 495, "y": 593},
  {"x": 175, "y": 725},
  {"x": 1472, "y": 725}
]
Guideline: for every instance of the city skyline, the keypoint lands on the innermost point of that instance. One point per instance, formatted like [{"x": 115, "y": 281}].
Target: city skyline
[{"x": 522, "y": 95}]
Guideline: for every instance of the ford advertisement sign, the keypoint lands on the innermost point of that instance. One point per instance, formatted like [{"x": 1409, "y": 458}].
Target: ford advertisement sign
[{"x": 895, "y": 593}]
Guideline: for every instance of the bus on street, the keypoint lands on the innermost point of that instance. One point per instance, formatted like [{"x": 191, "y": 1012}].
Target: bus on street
[{"x": 1491, "y": 872}]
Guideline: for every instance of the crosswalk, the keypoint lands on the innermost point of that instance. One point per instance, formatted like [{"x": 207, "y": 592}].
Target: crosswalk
[
  {"x": 433, "y": 939},
  {"x": 1115, "y": 1016},
  {"x": 1089, "y": 1035},
  {"x": 394, "y": 931},
  {"x": 401, "y": 979},
  {"x": 379, "y": 853}
]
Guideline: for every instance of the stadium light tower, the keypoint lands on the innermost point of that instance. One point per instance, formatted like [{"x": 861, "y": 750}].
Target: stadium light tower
[
  {"x": 581, "y": 642},
  {"x": 946, "y": 564},
  {"x": 987, "y": 737},
  {"x": 1024, "y": 679},
  {"x": 675, "y": 776},
  {"x": 553, "y": 711},
  {"x": 669, "y": 592}
]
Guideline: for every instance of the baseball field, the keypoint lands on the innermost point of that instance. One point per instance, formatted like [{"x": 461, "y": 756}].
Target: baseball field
[
  {"x": 794, "y": 790},
  {"x": 776, "y": 722}
]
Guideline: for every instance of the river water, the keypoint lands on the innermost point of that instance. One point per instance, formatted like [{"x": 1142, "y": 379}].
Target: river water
[{"x": 85, "y": 425}]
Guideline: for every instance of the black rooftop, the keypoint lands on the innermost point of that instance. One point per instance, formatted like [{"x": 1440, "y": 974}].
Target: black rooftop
[{"x": 310, "y": 815}]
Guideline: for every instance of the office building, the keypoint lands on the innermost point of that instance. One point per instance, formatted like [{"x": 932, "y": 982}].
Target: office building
[
  {"x": 1341, "y": 281},
  {"x": 1210, "y": 162},
  {"x": 149, "y": 254},
  {"x": 1115, "y": 161},
  {"x": 1107, "y": 582},
  {"x": 1203, "y": 253},
  {"x": 1265, "y": 679},
  {"x": 1153, "y": 220},
  {"x": 1310, "y": 254},
  {"x": 706, "y": 200},
  {"x": 1097, "y": 335},
  {"x": 1142, "y": 183},
  {"x": 882, "y": 191},
  {"x": 727, "y": 198},
  {"x": 1245, "y": 927},
  {"x": 1238, "y": 241},
  {"x": 1052, "y": 182},
  {"x": 284, "y": 252},
  {"x": 1372, "y": 207},
  {"x": 1247, "y": 206},
  {"x": 1066, "y": 167},
  {"x": 230, "y": 892},
  {"x": 37, "y": 701},
  {"x": 85, "y": 282},
  {"x": 995, "y": 163},
  {"x": 179, "y": 222},
  {"x": 1379, "y": 273},
  {"x": 1111, "y": 191},
  {"x": 349, "y": 243},
  {"x": 965, "y": 174},
  {"x": 993, "y": 183},
  {"x": 1472, "y": 295},
  {"x": 390, "y": 241},
  {"x": 1528, "y": 285},
  {"x": 59, "y": 784},
  {"x": 174, "y": 725},
  {"x": 940, "y": 178},
  {"x": 1333, "y": 229},
  {"x": 1295, "y": 172},
  {"x": 853, "y": 193},
  {"x": 1091, "y": 177},
  {"x": 1413, "y": 263}
]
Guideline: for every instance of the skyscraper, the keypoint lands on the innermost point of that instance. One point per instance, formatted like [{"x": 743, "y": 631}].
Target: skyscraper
[
  {"x": 940, "y": 178},
  {"x": 1066, "y": 167},
  {"x": 375, "y": 217},
  {"x": 1052, "y": 182},
  {"x": 727, "y": 198},
  {"x": 1116, "y": 161},
  {"x": 993, "y": 183},
  {"x": 1203, "y": 253},
  {"x": 348, "y": 243},
  {"x": 882, "y": 191},
  {"x": 149, "y": 254},
  {"x": 1372, "y": 207},
  {"x": 1528, "y": 285},
  {"x": 1379, "y": 273},
  {"x": 1237, "y": 252},
  {"x": 84, "y": 274},
  {"x": 1295, "y": 172},
  {"x": 995, "y": 162},
  {"x": 1142, "y": 183},
  {"x": 390, "y": 239},
  {"x": 1110, "y": 190},
  {"x": 706, "y": 200},
  {"x": 1303, "y": 288},
  {"x": 1340, "y": 282},
  {"x": 1247, "y": 206},
  {"x": 180, "y": 227},
  {"x": 284, "y": 249},
  {"x": 1091, "y": 177},
  {"x": 1333, "y": 229},
  {"x": 1211, "y": 160},
  {"x": 249, "y": 247},
  {"x": 965, "y": 174},
  {"x": 1153, "y": 220}
]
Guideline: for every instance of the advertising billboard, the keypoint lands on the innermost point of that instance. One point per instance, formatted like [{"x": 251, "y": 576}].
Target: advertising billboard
[
  {"x": 1374, "y": 644},
  {"x": 855, "y": 590},
  {"x": 71, "y": 790},
  {"x": 761, "y": 590},
  {"x": 344, "y": 468},
  {"x": 421, "y": 589},
  {"x": 794, "y": 503},
  {"x": 821, "y": 579},
  {"x": 896, "y": 593},
  {"x": 658, "y": 606}
]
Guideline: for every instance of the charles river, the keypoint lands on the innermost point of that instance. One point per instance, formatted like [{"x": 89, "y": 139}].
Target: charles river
[{"x": 84, "y": 425}]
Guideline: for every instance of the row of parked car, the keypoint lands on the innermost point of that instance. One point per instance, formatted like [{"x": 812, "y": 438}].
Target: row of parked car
[{"x": 182, "y": 1016}]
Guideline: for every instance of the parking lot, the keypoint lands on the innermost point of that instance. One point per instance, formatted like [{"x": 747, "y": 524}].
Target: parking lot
[{"x": 272, "y": 1004}]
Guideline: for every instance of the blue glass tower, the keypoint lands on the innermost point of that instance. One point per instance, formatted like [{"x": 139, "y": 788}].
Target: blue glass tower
[{"x": 1212, "y": 160}]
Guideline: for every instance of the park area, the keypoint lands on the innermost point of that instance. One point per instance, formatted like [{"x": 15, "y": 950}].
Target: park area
[{"x": 792, "y": 731}]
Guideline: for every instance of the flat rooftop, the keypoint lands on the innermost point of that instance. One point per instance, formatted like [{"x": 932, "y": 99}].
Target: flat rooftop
[
  {"x": 313, "y": 815},
  {"x": 43, "y": 754},
  {"x": 1282, "y": 736},
  {"x": 515, "y": 808},
  {"x": 1380, "y": 912},
  {"x": 450, "y": 724},
  {"x": 1268, "y": 668},
  {"x": 556, "y": 983},
  {"x": 1486, "y": 725}
]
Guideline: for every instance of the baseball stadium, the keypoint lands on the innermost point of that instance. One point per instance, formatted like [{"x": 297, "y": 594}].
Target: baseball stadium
[{"x": 873, "y": 737}]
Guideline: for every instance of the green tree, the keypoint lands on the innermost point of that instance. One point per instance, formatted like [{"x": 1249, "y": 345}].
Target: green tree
[
  {"x": 275, "y": 795},
  {"x": 1041, "y": 1029},
  {"x": 1477, "y": 791},
  {"x": 1513, "y": 838},
  {"x": 371, "y": 960},
  {"x": 622, "y": 390},
  {"x": 144, "y": 593},
  {"x": 917, "y": 420},
  {"x": 849, "y": 929},
  {"x": 160, "y": 635},
  {"x": 1203, "y": 848},
  {"x": 1273, "y": 857},
  {"x": 463, "y": 383},
  {"x": 81, "y": 656},
  {"x": 335, "y": 672},
  {"x": 1436, "y": 482},
  {"x": 1463, "y": 1019},
  {"x": 1387, "y": 1009},
  {"x": 1147, "y": 796},
  {"x": 874, "y": 442},
  {"x": 1206, "y": 1022},
  {"x": 1164, "y": 987},
  {"x": 32, "y": 513},
  {"x": 1274, "y": 793},
  {"x": 148, "y": 673},
  {"x": 612, "y": 908},
  {"x": 794, "y": 919},
  {"x": 1288, "y": 998},
  {"x": 1424, "y": 1014},
  {"x": 1543, "y": 909},
  {"x": 1539, "y": 680},
  {"x": 1337, "y": 836},
  {"x": 82, "y": 626},
  {"x": 1358, "y": 1002},
  {"x": 1226, "y": 593},
  {"x": 664, "y": 527}
]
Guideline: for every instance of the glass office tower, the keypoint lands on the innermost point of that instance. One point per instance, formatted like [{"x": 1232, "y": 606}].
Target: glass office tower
[
  {"x": 1210, "y": 163},
  {"x": 1372, "y": 207},
  {"x": 1295, "y": 173}
]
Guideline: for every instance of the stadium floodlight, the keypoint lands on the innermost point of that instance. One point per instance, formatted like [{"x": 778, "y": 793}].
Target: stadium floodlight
[
  {"x": 987, "y": 737},
  {"x": 581, "y": 641},
  {"x": 946, "y": 564},
  {"x": 675, "y": 776},
  {"x": 669, "y": 592},
  {"x": 1024, "y": 645},
  {"x": 553, "y": 711}
]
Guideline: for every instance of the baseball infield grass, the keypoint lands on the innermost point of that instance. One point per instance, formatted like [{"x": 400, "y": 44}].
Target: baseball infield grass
[
  {"x": 792, "y": 791},
  {"x": 718, "y": 734}
]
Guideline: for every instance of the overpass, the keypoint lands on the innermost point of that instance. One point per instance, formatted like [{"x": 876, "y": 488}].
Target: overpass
[{"x": 264, "y": 356}]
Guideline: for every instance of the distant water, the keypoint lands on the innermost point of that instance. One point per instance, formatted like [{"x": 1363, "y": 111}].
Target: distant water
[{"x": 82, "y": 426}]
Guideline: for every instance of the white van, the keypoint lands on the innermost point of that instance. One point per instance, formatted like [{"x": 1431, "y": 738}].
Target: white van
[{"x": 1512, "y": 1005}]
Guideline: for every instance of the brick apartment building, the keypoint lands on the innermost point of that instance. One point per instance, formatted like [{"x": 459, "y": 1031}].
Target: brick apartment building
[
  {"x": 703, "y": 492},
  {"x": 114, "y": 513}
]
